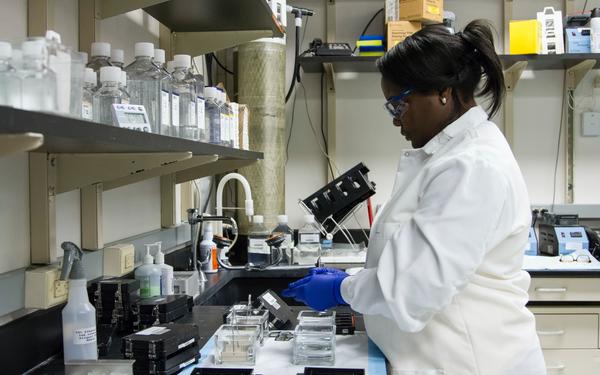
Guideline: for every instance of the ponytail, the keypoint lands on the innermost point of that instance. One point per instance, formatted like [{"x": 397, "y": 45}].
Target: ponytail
[{"x": 433, "y": 60}]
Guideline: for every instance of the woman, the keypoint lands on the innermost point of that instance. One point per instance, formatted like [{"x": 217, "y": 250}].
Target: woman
[{"x": 443, "y": 291}]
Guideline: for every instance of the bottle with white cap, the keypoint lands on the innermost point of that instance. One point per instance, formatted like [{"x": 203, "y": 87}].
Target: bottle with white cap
[
  {"x": 288, "y": 244},
  {"x": 165, "y": 92},
  {"x": 166, "y": 272},
  {"x": 225, "y": 123},
  {"x": 38, "y": 83},
  {"x": 123, "y": 87},
  {"x": 87, "y": 98},
  {"x": 117, "y": 57},
  {"x": 184, "y": 94},
  {"x": 309, "y": 242},
  {"x": 143, "y": 83},
  {"x": 212, "y": 115},
  {"x": 203, "y": 133},
  {"x": 10, "y": 83},
  {"x": 108, "y": 94},
  {"x": 99, "y": 57},
  {"x": 259, "y": 253}
]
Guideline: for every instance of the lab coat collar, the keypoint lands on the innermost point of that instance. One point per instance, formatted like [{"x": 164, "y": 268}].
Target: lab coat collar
[{"x": 469, "y": 119}]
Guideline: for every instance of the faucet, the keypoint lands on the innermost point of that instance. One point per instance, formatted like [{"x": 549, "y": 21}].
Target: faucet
[{"x": 248, "y": 203}]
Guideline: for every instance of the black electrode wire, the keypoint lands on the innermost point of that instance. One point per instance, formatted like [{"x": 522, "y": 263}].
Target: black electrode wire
[
  {"x": 221, "y": 65},
  {"x": 367, "y": 27},
  {"x": 325, "y": 140},
  {"x": 295, "y": 73},
  {"x": 287, "y": 144},
  {"x": 584, "y": 7},
  {"x": 562, "y": 109}
]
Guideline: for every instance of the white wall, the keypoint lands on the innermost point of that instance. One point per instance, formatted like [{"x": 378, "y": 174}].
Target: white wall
[{"x": 365, "y": 132}]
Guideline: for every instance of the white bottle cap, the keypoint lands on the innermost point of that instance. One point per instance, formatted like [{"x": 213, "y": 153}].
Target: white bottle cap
[
  {"x": 53, "y": 35},
  {"x": 123, "y": 78},
  {"x": 258, "y": 219},
  {"x": 117, "y": 56},
  {"x": 33, "y": 48},
  {"x": 282, "y": 219},
  {"x": 148, "y": 259},
  {"x": 210, "y": 93},
  {"x": 208, "y": 229},
  {"x": 170, "y": 66},
  {"x": 143, "y": 49},
  {"x": 110, "y": 74},
  {"x": 90, "y": 76},
  {"x": 309, "y": 219},
  {"x": 159, "y": 56},
  {"x": 5, "y": 50},
  {"x": 160, "y": 256},
  {"x": 100, "y": 49},
  {"x": 182, "y": 61},
  {"x": 84, "y": 57}
]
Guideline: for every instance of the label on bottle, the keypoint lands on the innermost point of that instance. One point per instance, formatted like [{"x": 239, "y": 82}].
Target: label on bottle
[
  {"x": 86, "y": 111},
  {"x": 165, "y": 108},
  {"x": 200, "y": 108},
  {"x": 309, "y": 238},
  {"x": 224, "y": 128},
  {"x": 258, "y": 246},
  {"x": 289, "y": 241},
  {"x": 175, "y": 109},
  {"x": 192, "y": 107},
  {"x": 84, "y": 336}
]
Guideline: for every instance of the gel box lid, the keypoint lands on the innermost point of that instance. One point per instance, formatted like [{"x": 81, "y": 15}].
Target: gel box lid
[{"x": 159, "y": 342}]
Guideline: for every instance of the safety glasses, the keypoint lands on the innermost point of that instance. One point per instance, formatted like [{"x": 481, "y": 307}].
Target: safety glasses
[{"x": 396, "y": 105}]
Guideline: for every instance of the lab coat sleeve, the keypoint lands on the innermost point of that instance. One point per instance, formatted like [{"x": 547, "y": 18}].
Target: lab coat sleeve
[{"x": 433, "y": 255}]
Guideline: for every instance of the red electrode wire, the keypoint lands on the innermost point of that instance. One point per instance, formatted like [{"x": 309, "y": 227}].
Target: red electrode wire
[{"x": 370, "y": 212}]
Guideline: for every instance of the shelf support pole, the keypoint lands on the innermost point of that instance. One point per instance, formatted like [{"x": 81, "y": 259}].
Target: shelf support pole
[
  {"x": 42, "y": 207},
  {"x": 92, "y": 235},
  {"x": 575, "y": 75},
  {"x": 508, "y": 11},
  {"x": 511, "y": 77}
]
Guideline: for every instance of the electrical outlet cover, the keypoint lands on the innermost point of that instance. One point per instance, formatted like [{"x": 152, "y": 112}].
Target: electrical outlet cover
[{"x": 43, "y": 288}]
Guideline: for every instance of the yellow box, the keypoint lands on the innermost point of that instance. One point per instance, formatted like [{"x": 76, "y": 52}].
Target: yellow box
[
  {"x": 426, "y": 11},
  {"x": 525, "y": 37},
  {"x": 397, "y": 31}
]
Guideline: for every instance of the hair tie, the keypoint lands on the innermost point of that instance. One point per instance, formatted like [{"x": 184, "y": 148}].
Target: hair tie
[{"x": 467, "y": 42}]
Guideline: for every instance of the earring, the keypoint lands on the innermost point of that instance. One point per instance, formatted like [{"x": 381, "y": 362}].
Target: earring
[{"x": 444, "y": 101}]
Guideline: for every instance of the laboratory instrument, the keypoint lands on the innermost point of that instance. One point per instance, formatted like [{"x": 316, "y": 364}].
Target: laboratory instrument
[
  {"x": 117, "y": 57},
  {"x": 558, "y": 240},
  {"x": 78, "y": 316},
  {"x": 107, "y": 95},
  {"x": 248, "y": 315},
  {"x": 130, "y": 116},
  {"x": 10, "y": 83},
  {"x": 38, "y": 83},
  {"x": 166, "y": 278},
  {"x": 114, "y": 300},
  {"x": 148, "y": 274},
  {"x": 87, "y": 98},
  {"x": 314, "y": 345},
  {"x": 282, "y": 314},
  {"x": 236, "y": 344},
  {"x": 144, "y": 83},
  {"x": 162, "y": 309}
]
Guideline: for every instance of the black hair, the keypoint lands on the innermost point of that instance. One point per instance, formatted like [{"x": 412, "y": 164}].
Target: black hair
[{"x": 433, "y": 59}]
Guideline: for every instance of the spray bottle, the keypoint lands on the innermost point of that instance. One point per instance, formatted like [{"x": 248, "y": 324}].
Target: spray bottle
[
  {"x": 78, "y": 316},
  {"x": 166, "y": 272}
]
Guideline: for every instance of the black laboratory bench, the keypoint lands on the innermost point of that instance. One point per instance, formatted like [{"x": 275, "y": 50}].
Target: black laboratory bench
[{"x": 222, "y": 290}]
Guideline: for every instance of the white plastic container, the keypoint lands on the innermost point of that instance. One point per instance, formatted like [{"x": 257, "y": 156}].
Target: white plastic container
[
  {"x": 166, "y": 272},
  {"x": 595, "y": 26},
  {"x": 117, "y": 58},
  {"x": 149, "y": 276},
  {"x": 208, "y": 250}
]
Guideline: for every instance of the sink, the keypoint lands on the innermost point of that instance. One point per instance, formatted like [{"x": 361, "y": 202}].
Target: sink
[{"x": 237, "y": 290}]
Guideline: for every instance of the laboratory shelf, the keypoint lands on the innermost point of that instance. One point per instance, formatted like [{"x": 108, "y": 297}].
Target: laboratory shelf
[{"x": 364, "y": 64}]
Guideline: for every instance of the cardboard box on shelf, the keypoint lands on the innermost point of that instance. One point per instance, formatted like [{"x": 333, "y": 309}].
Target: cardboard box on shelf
[
  {"x": 577, "y": 40},
  {"x": 525, "y": 37},
  {"x": 425, "y": 11},
  {"x": 397, "y": 31}
]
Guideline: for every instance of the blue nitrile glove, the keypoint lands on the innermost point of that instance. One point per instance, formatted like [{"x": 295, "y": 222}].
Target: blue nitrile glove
[
  {"x": 320, "y": 291},
  {"x": 321, "y": 270}
]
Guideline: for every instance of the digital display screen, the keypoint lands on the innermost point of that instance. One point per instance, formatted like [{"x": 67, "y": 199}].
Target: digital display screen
[
  {"x": 132, "y": 118},
  {"x": 576, "y": 234}
]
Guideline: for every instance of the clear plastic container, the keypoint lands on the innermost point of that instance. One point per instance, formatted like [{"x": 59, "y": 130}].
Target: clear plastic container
[
  {"x": 213, "y": 115},
  {"x": 143, "y": 83},
  {"x": 165, "y": 93},
  {"x": 203, "y": 131},
  {"x": 107, "y": 95},
  {"x": 184, "y": 98},
  {"x": 316, "y": 317},
  {"x": 10, "y": 83},
  {"x": 87, "y": 98},
  {"x": 288, "y": 243},
  {"x": 38, "y": 82},
  {"x": 236, "y": 344},
  {"x": 308, "y": 249},
  {"x": 259, "y": 253},
  {"x": 226, "y": 115},
  {"x": 314, "y": 345},
  {"x": 243, "y": 316}
]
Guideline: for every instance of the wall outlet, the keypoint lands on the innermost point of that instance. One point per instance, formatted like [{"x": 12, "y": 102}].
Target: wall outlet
[
  {"x": 43, "y": 289},
  {"x": 590, "y": 124},
  {"x": 119, "y": 260}
]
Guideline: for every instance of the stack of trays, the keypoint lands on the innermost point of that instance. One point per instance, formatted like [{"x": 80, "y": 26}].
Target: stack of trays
[
  {"x": 162, "y": 309},
  {"x": 114, "y": 300},
  {"x": 164, "y": 349},
  {"x": 370, "y": 45}
]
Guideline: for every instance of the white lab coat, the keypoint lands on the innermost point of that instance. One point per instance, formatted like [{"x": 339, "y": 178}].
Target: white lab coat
[{"x": 443, "y": 287}]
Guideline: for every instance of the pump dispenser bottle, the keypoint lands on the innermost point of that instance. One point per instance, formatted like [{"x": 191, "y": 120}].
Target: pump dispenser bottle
[
  {"x": 78, "y": 316},
  {"x": 166, "y": 272}
]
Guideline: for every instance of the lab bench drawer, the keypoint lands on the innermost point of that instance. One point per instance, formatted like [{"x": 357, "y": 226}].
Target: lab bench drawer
[
  {"x": 564, "y": 289},
  {"x": 567, "y": 331},
  {"x": 572, "y": 362}
]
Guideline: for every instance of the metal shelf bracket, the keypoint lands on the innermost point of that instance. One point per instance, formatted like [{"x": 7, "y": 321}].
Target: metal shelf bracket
[
  {"x": 12, "y": 143},
  {"x": 511, "y": 77},
  {"x": 576, "y": 73}
]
